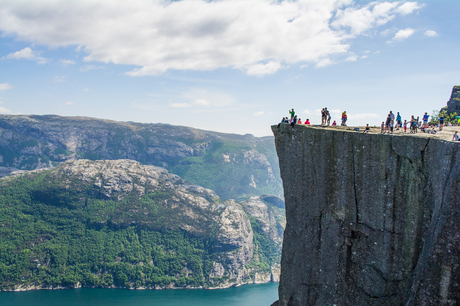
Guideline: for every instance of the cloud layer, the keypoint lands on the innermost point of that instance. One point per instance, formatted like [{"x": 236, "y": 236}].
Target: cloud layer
[{"x": 258, "y": 36}]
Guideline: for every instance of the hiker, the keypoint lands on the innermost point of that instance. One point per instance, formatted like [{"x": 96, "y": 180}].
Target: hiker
[
  {"x": 323, "y": 116},
  {"x": 294, "y": 121},
  {"x": 425, "y": 120},
  {"x": 455, "y": 137},
  {"x": 441, "y": 123},
  {"x": 299, "y": 121},
  {"x": 307, "y": 121},
  {"x": 387, "y": 123},
  {"x": 292, "y": 112},
  {"x": 328, "y": 114},
  {"x": 382, "y": 128},
  {"x": 367, "y": 130},
  {"x": 334, "y": 123},
  {"x": 344, "y": 118},
  {"x": 398, "y": 121},
  {"x": 405, "y": 125}
]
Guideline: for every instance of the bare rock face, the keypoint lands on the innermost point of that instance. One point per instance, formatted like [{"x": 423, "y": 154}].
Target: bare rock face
[
  {"x": 453, "y": 105},
  {"x": 371, "y": 219}
]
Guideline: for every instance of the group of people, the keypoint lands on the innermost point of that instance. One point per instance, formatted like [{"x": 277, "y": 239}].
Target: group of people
[
  {"x": 294, "y": 120},
  {"x": 325, "y": 118},
  {"x": 392, "y": 121},
  {"x": 414, "y": 124}
]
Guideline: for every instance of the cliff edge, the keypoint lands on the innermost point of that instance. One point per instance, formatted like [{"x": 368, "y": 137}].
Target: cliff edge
[{"x": 371, "y": 219}]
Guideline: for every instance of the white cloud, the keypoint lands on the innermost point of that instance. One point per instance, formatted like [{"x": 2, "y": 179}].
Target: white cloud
[
  {"x": 361, "y": 19},
  {"x": 69, "y": 103},
  {"x": 90, "y": 67},
  {"x": 352, "y": 58},
  {"x": 260, "y": 69},
  {"x": 364, "y": 56},
  {"x": 85, "y": 89},
  {"x": 402, "y": 34},
  {"x": 4, "y": 110},
  {"x": 28, "y": 54},
  {"x": 408, "y": 7},
  {"x": 66, "y": 62},
  {"x": 58, "y": 79},
  {"x": 256, "y": 36},
  {"x": 430, "y": 33},
  {"x": 323, "y": 63},
  {"x": 260, "y": 113},
  {"x": 306, "y": 112},
  {"x": 5, "y": 86}
]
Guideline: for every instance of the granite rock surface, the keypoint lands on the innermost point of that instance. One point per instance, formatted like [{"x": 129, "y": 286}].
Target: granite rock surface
[{"x": 371, "y": 219}]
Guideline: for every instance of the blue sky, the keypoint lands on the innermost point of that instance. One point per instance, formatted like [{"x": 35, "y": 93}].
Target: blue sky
[{"x": 229, "y": 66}]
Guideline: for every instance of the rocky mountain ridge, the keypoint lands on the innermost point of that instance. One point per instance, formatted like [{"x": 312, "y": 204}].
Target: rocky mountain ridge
[
  {"x": 234, "y": 166},
  {"x": 149, "y": 214}
]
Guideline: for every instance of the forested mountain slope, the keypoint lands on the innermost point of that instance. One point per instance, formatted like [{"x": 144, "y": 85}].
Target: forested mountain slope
[
  {"x": 118, "y": 223},
  {"x": 233, "y": 166}
]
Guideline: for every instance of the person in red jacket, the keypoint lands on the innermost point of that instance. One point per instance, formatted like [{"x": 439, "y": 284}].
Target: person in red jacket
[{"x": 307, "y": 121}]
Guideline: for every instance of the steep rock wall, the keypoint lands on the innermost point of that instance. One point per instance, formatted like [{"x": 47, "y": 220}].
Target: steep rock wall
[{"x": 371, "y": 219}]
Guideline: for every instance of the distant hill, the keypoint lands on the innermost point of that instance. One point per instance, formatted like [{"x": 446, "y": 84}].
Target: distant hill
[
  {"x": 118, "y": 223},
  {"x": 234, "y": 166}
]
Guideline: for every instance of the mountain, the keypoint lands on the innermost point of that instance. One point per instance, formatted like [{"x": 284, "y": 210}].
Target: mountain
[
  {"x": 119, "y": 223},
  {"x": 453, "y": 105},
  {"x": 234, "y": 166}
]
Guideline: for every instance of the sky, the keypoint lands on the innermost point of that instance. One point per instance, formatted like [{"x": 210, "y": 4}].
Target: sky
[{"x": 232, "y": 66}]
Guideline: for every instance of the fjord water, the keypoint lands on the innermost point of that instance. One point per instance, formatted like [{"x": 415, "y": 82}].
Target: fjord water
[{"x": 247, "y": 295}]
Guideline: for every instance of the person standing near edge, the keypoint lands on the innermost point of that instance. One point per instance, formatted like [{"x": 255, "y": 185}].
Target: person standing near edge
[{"x": 292, "y": 112}]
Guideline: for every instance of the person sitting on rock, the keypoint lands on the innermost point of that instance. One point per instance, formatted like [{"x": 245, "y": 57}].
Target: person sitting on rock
[
  {"x": 367, "y": 130},
  {"x": 334, "y": 123},
  {"x": 307, "y": 121},
  {"x": 455, "y": 137}
]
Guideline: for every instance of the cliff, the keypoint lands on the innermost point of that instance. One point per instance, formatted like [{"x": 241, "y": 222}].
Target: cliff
[
  {"x": 233, "y": 166},
  {"x": 118, "y": 223},
  {"x": 371, "y": 219},
  {"x": 453, "y": 105}
]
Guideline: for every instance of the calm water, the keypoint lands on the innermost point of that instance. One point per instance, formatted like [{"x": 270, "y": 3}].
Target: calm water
[{"x": 247, "y": 295}]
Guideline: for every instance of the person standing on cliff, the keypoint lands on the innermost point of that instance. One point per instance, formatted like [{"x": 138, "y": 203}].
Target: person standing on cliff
[
  {"x": 425, "y": 120},
  {"x": 292, "y": 112},
  {"x": 398, "y": 121},
  {"x": 344, "y": 118},
  {"x": 328, "y": 118}
]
